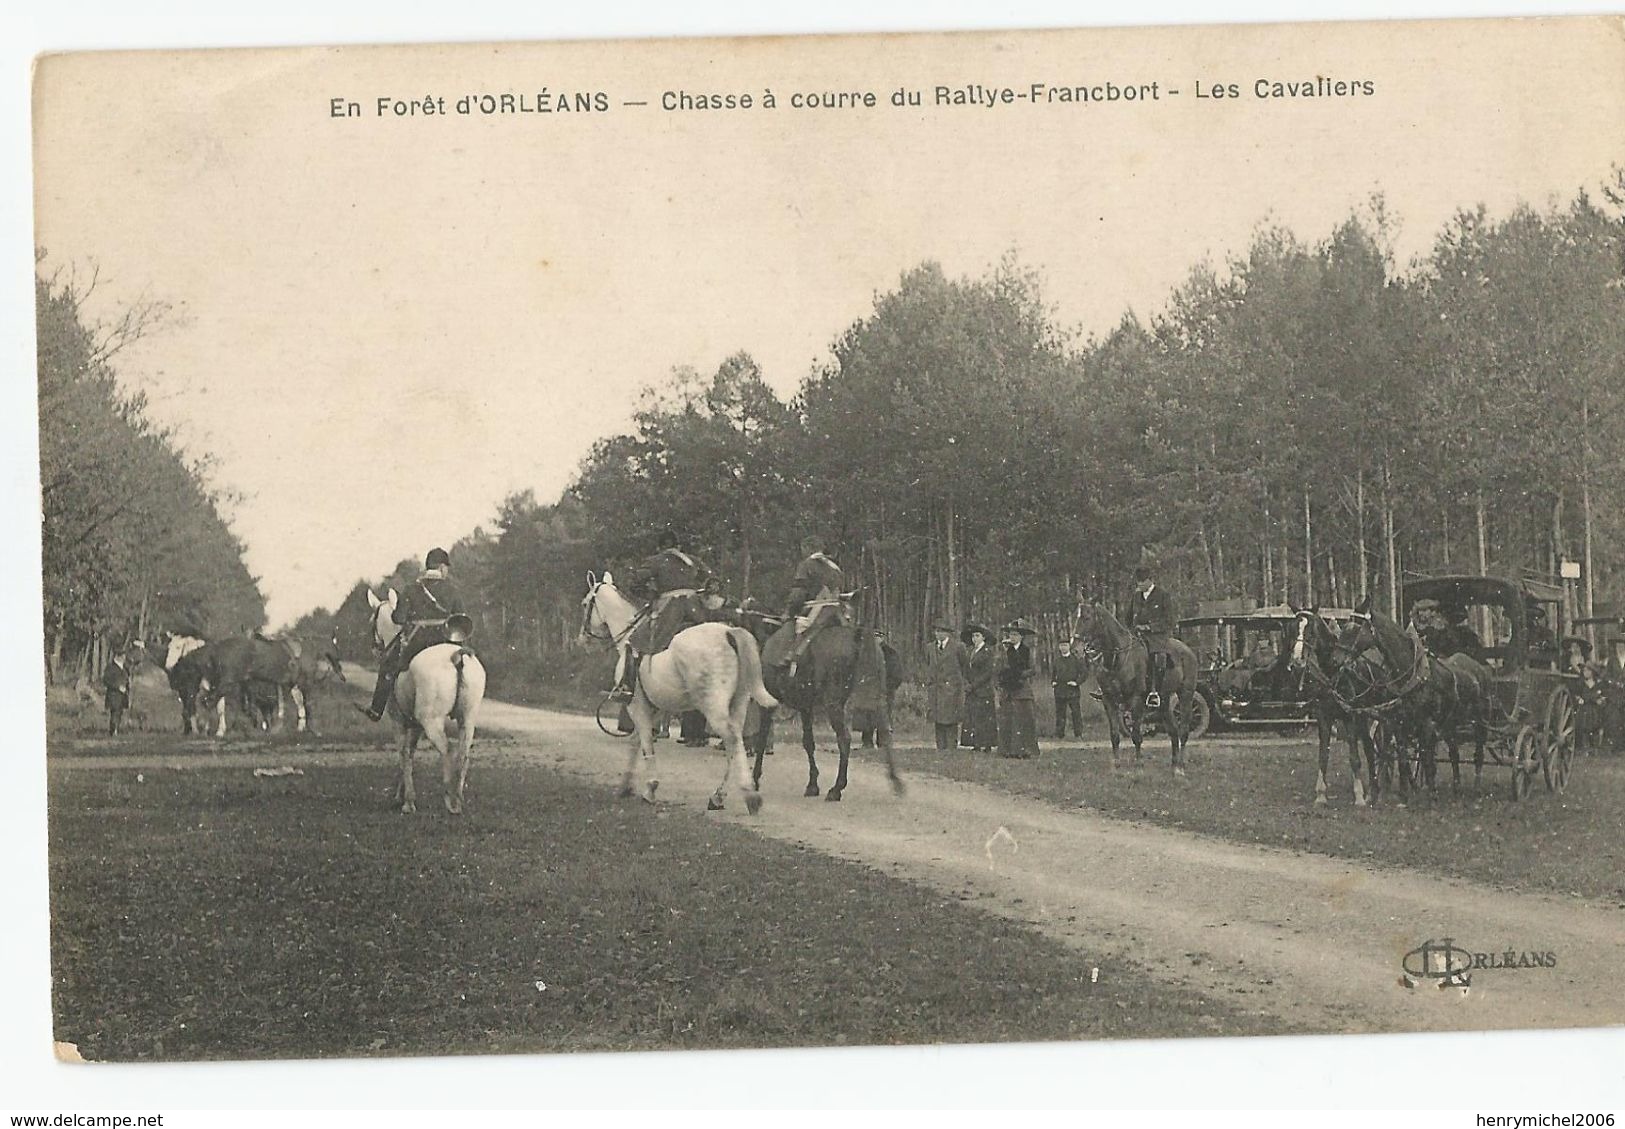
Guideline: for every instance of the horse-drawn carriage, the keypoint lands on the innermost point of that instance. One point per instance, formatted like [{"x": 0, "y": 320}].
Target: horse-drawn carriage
[{"x": 1512, "y": 627}]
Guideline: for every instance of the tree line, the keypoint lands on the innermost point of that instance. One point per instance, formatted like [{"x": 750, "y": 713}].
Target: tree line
[
  {"x": 133, "y": 539},
  {"x": 1310, "y": 421}
]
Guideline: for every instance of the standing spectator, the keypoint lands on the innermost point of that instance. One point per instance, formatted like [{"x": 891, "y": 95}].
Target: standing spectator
[
  {"x": 1067, "y": 679},
  {"x": 946, "y": 685},
  {"x": 116, "y": 684},
  {"x": 981, "y": 722},
  {"x": 866, "y": 720},
  {"x": 1018, "y": 728}
]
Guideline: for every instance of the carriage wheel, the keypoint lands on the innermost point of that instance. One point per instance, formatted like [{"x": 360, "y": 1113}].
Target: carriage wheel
[
  {"x": 1560, "y": 727},
  {"x": 1201, "y": 716},
  {"x": 1526, "y": 751},
  {"x": 615, "y": 712}
]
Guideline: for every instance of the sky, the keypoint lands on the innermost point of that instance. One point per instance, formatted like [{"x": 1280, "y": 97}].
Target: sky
[
  {"x": 384, "y": 325},
  {"x": 291, "y": 386}
]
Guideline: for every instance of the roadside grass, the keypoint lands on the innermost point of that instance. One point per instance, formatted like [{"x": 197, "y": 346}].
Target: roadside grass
[
  {"x": 204, "y": 913},
  {"x": 1572, "y": 843}
]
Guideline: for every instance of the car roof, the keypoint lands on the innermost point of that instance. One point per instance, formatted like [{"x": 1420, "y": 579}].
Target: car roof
[
  {"x": 1466, "y": 588},
  {"x": 1262, "y": 617}
]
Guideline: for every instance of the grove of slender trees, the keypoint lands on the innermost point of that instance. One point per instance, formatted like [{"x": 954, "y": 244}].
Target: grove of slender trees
[{"x": 1309, "y": 422}]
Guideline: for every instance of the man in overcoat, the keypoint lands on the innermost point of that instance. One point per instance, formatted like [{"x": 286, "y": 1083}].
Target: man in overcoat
[
  {"x": 1067, "y": 679},
  {"x": 116, "y": 689},
  {"x": 1018, "y": 727},
  {"x": 945, "y": 685}
]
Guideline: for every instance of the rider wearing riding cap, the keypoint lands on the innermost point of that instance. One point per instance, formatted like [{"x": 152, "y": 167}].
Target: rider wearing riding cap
[
  {"x": 817, "y": 579},
  {"x": 425, "y": 610},
  {"x": 680, "y": 590},
  {"x": 1151, "y": 614}
]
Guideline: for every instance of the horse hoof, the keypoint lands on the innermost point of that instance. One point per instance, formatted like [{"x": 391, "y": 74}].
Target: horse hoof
[
  {"x": 897, "y": 786},
  {"x": 1179, "y": 773},
  {"x": 753, "y": 803},
  {"x": 409, "y": 809},
  {"x": 713, "y": 804},
  {"x": 1320, "y": 801},
  {"x": 454, "y": 806},
  {"x": 649, "y": 792},
  {"x": 1360, "y": 803},
  {"x": 812, "y": 790},
  {"x": 834, "y": 796},
  {"x": 624, "y": 792}
]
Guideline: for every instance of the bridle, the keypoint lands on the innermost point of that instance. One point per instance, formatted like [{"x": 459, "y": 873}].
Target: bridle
[{"x": 589, "y": 605}]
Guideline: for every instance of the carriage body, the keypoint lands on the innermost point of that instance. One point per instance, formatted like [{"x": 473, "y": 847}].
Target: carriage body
[
  {"x": 1274, "y": 697},
  {"x": 1518, "y": 624}
]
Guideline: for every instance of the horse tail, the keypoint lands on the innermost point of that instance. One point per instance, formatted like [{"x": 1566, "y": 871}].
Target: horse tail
[{"x": 750, "y": 667}]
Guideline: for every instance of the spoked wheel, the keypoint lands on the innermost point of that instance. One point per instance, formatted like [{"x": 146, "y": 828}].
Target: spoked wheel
[
  {"x": 1201, "y": 716},
  {"x": 1559, "y": 749},
  {"x": 610, "y": 705},
  {"x": 1527, "y": 750}
]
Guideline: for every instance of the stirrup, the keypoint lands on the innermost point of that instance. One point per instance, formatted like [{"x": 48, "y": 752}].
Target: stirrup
[
  {"x": 366, "y": 711},
  {"x": 621, "y": 694},
  {"x": 790, "y": 668},
  {"x": 1153, "y": 701}
]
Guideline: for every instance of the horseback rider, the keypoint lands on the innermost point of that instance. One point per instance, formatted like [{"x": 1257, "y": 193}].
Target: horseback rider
[
  {"x": 1151, "y": 614},
  {"x": 817, "y": 581},
  {"x": 431, "y": 610},
  {"x": 680, "y": 591}
]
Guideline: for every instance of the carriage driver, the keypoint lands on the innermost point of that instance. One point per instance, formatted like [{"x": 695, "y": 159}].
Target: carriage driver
[
  {"x": 818, "y": 579},
  {"x": 426, "y": 612},
  {"x": 681, "y": 591},
  {"x": 1151, "y": 614}
]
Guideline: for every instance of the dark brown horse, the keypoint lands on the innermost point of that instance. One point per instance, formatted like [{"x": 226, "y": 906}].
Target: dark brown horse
[
  {"x": 247, "y": 668},
  {"x": 1315, "y": 655},
  {"x": 844, "y": 665},
  {"x": 1418, "y": 699},
  {"x": 1122, "y": 667}
]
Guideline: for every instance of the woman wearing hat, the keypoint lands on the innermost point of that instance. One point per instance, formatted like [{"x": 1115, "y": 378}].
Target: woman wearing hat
[
  {"x": 1018, "y": 728},
  {"x": 945, "y": 685},
  {"x": 981, "y": 722}
]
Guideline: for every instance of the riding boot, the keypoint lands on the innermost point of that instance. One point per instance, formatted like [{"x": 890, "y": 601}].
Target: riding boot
[
  {"x": 628, "y": 680},
  {"x": 381, "y": 693},
  {"x": 1153, "y": 700}
]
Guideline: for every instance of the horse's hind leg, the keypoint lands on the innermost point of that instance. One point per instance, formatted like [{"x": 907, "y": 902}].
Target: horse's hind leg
[
  {"x": 1173, "y": 714},
  {"x": 836, "y": 712},
  {"x": 405, "y": 794},
  {"x": 435, "y": 731},
  {"x": 812, "y": 759},
  {"x": 758, "y": 748},
  {"x": 732, "y": 716}
]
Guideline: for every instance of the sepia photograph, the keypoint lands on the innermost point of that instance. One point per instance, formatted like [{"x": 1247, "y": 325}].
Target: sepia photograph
[{"x": 1069, "y": 537}]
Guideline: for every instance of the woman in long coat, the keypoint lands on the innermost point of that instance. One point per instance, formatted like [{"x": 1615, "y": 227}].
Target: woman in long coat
[
  {"x": 981, "y": 729},
  {"x": 945, "y": 686},
  {"x": 1018, "y": 728}
]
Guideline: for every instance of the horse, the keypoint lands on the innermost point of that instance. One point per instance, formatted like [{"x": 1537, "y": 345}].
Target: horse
[
  {"x": 255, "y": 667},
  {"x": 184, "y": 664},
  {"x": 1314, "y": 656},
  {"x": 444, "y": 682},
  {"x": 1419, "y": 698},
  {"x": 848, "y": 664},
  {"x": 1122, "y": 665},
  {"x": 712, "y": 667}
]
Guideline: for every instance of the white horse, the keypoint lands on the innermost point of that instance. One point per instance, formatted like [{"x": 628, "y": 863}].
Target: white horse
[
  {"x": 711, "y": 667},
  {"x": 443, "y": 683}
]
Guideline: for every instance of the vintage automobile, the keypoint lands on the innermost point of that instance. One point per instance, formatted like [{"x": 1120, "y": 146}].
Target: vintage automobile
[{"x": 1243, "y": 680}]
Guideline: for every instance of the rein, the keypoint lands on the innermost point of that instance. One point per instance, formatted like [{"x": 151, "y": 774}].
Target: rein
[
  {"x": 1397, "y": 690},
  {"x": 613, "y": 638}
]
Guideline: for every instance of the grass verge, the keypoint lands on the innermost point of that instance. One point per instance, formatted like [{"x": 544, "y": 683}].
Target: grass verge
[
  {"x": 204, "y": 913},
  {"x": 1573, "y": 843}
]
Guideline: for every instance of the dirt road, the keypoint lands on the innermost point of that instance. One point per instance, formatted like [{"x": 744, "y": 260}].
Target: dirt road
[{"x": 1315, "y": 941}]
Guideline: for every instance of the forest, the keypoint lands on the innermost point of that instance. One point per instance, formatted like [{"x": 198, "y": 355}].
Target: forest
[
  {"x": 133, "y": 539},
  {"x": 1310, "y": 421}
]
